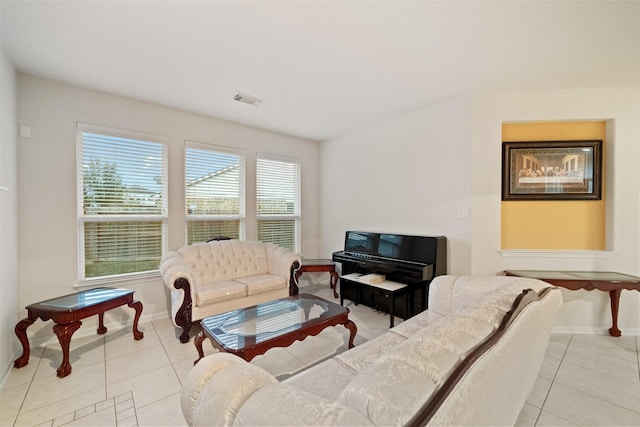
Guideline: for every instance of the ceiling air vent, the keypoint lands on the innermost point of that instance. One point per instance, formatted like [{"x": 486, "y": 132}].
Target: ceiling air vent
[{"x": 248, "y": 99}]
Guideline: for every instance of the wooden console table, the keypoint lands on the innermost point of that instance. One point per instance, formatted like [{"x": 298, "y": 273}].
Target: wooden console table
[
  {"x": 606, "y": 281},
  {"x": 318, "y": 266},
  {"x": 66, "y": 312}
]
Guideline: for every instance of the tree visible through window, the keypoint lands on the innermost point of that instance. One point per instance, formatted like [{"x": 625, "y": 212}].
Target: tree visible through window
[{"x": 122, "y": 187}]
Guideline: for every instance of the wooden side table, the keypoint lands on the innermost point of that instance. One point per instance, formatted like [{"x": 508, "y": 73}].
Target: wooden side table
[
  {"x": 606, "y": 281},
  {"x": 319, "y": 266},
  {"x": 66, "y": 312}
]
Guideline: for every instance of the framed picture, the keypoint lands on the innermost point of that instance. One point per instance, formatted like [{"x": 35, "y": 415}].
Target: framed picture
[{"x": 552, "y": 170}]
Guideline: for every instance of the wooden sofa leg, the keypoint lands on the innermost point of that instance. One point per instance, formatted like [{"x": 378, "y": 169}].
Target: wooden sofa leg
[
  {"x": 183, "y": 319},
  {"x": 184, "y": 337},
  {"x": 293, "y": 283},
  {"x": 183, "y": 315}
]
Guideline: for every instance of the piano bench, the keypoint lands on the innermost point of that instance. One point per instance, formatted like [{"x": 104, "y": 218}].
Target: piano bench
[{"x": 386, "y": 288}]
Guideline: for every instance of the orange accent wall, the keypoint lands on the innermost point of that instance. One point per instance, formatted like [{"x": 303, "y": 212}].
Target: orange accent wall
[{"x": 555, "y": 225}]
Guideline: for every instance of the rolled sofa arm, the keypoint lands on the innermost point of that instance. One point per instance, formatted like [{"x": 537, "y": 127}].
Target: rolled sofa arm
[
  {"x": 206, "y": 400},
  {"x": 283, "y": 262},
  {"x": 174, "y": 267},
  {"x": 178, "y": 276}
]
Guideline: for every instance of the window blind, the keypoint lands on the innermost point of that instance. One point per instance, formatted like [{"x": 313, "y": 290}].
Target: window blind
[
  {"x": 278, "y": 201},
  {"x": 122, "y": 202},
  {"x": 214, "y": 192}
]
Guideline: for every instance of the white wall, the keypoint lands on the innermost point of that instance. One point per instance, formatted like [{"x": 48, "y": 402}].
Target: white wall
[
  {"x": 405, "y": 175},
  {"x": 583, "y": 311},
  {"x": 47, "y": 233},
  {"x": 8, "y": 214}
]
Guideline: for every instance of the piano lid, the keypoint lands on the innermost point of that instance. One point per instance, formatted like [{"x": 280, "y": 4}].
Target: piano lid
[{"x": 419, "y": 249}]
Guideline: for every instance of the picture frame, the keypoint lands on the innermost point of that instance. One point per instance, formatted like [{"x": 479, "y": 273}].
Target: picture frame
[{"x": 552, "y": 170}]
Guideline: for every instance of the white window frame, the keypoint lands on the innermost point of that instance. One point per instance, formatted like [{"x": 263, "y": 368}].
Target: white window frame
[
  {"x": 82, "y": 218},
  {"x": 297, "y": 215},
  {"x": 241, "y": 216}
]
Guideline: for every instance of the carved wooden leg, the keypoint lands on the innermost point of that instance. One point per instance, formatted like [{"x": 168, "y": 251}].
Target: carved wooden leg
[
  {"x": 197, "y": 341},
  {"x": 101, "y": 329},
  {"x": 21, "y": 332},
  {"x": 137, "y": 306},
  {"x": 184, "y": 337},
  {"x": 614, "y": 296},
  {"x": 183, "y": 320},
  {"x": 293, "y": 282},
  {"x": 333, "y": 282},
  {"x": 64, "y": 332},
  {"x": 353, "y": 329}
]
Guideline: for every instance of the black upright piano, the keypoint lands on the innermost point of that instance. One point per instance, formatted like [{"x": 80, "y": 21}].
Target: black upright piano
[{"x": 401, "y": 259}]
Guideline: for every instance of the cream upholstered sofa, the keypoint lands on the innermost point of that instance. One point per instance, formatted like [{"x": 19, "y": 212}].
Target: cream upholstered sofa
[
  {"x": 224, "y": 275},
  {"x": 471, "y": 359}
]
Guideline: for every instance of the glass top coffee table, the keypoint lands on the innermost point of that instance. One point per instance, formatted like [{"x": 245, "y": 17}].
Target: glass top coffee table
[{"x": 250, "y": 332}]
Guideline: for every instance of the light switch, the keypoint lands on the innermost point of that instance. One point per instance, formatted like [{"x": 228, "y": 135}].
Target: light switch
[{"x": 25, "y": 131}]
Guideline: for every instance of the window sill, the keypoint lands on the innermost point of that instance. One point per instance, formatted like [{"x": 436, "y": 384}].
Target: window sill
[{"x": 122, "y": 280}]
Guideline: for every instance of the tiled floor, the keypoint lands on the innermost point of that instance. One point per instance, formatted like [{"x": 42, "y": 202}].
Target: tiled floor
[{"x": 116, "y": 381}]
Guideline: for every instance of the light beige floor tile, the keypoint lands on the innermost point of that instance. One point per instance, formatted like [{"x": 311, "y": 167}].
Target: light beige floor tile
[
  {"x": 605, "y": 387},
  {"x": 60, "y": 407},
  {"x": 162, "y": 323},
  {"x": 134, "y": 364},
  {"x": 63, "y": 419},
  {"x": 148, "y": 387},
  {"x": 556, "y": 349},
  {"x": 182, "y": 368},
  {"x": 118, "y": 344},
  {"x": 24, "y": 375},
  {"x": 628, "y": 340},
  {"x": 179, "y": 351},
  {"x": 50, "y": 390},
  {"x": 281, "y": 363},
  {"x": 545, "y": 419},
  {"x": 604, "y": 345},
  {"x": 11, "y": 399},
  {"x": 169, "y": 334},
  {"x": 164, "y": 412},
  {"x": 528, "y": 416},
  {"x": 585, "y": 410},
  {"x": 603, "y": 363},
  {"x": 539, "y": 392},
  {"x": 103, "y": 418},
  {"x": 563, "y": 338},
  {"x": 549, "y": 367},
  {"x": 314, "y": 349},
  {"x": 83, "y": 351}
]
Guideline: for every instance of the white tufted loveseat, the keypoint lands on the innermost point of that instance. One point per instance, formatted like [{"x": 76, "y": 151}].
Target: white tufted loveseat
[
  {"x": 219, "y": 276},
  {"x": 471, "y": 359}
]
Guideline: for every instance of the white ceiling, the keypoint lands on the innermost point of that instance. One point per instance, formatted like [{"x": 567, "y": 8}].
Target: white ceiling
[{"x": 323, "y": 67}]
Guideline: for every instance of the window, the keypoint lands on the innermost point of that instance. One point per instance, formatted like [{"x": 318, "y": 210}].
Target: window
[
  {"x": 278, "y": 201},
  {"x": 214, "y": 192},
  {"x": 122, "y": 203}
]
